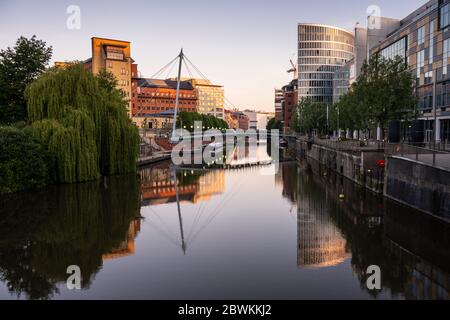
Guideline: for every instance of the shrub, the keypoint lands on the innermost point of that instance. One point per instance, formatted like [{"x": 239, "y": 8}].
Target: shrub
[{"x": 23, "y": 162}]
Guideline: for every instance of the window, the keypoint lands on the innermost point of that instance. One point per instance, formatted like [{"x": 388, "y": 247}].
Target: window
[
  {"x": 445, "y": 55},
  {"x": 397, "y": 48},
  {"x": 428, "y": 77},
  {"x": 420, "y": 61},
  {"x": 444, "y": 14},
  {"x": 431, "y": 47},
  {"x": 421, "y": 35}
]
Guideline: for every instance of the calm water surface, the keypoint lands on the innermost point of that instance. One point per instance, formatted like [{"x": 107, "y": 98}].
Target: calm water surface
[{"x": 237, "y": 234}]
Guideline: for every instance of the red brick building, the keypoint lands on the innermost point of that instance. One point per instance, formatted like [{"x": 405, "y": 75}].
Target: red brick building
[
  {"x": 289, "y": 102},
  {"x": 151, "y": 96}
]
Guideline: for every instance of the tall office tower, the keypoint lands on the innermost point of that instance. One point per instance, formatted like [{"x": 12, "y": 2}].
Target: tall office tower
[{"x": 321, "y": 51}]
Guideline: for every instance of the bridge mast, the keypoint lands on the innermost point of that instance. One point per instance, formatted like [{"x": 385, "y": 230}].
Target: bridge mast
[{"x": 181, "y": 55}]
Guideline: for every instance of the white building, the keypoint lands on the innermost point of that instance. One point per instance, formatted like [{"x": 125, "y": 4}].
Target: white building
[{"x": 257, "y": 119}]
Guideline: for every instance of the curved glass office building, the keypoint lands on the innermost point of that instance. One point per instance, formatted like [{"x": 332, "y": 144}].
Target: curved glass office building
[{"x": 321, "y": 51}]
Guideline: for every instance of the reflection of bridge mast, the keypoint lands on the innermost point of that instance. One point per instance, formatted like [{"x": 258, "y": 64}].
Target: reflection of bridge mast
[
  {"x": 180, "y": 220},
  {"x": 179, "y": 185}
]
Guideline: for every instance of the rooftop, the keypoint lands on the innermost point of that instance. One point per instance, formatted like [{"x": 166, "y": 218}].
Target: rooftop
[{"x": 160, "y": 83}]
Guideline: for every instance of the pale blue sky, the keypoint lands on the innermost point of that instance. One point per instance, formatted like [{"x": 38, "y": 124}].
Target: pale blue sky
[{"x": 244, "y": 45}]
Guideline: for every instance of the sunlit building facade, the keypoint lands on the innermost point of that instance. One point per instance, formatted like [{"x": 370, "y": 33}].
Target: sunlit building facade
[
  {"x": 152, "y": 96},
  {"x": 321, "y": 51},
  {"x": 211, "y": 99},
  {"x": 320, "y": 242},
  {"x": 113, "y": 56}
]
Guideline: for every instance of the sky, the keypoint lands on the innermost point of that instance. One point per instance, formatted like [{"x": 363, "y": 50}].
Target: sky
[{"x": 244, "y": 45}]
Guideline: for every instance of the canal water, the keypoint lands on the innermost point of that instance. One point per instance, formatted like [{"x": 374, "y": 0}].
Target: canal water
[{"x": 242, "y": 233}]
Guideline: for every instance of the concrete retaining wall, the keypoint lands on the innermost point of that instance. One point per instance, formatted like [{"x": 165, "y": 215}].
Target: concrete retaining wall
[
  {"x": 350, "y": 164},
  {"x": 419, "y": 185}
]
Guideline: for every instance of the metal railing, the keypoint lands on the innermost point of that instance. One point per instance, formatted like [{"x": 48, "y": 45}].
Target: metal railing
[{"x": 429, "y": 156}]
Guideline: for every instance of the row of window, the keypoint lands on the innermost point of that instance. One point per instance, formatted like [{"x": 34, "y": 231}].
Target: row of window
[
  {"x": 114, "y": 55},
  {"x": 324, "y": 99},
  {"x": 316, "y": 91},
  {"x": 319, "y": 29},
  {"x": 325, "y": 53},
  {"x": 317, "y": 68},
  {"x": 325, "y": 45},
  {"x": 315, "y": 76},
  {"x": 425, "y": 96},
  {"x": 162, "y": 108},
  {"x": 325, "y": 37},
  {"x": 314, "y": 83},
  {"x": 166, "y": 102},
  {"x": 443, "y": 94},
  {"x": 167, "y": 95},
  {"x": 398, "y": 48},
  {"x": 321, "y": 61}
]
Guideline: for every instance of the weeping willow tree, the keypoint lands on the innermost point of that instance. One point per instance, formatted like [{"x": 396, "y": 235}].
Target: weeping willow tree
[{"x": 83, "y": 124}]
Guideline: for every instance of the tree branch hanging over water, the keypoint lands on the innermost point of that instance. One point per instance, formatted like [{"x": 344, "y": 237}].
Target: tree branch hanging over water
[{"x": 83, "y": 124}]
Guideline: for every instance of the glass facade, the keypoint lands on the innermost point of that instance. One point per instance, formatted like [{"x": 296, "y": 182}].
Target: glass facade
[
  {"x": 444, "y": 14},
  {"x": 322, "y": 50},
  {"x": 423, "y": 38},
  {"x": 445, "y": 55},
  {"x": 341, "y": 82},
  {"x": 398, "y": 48}
]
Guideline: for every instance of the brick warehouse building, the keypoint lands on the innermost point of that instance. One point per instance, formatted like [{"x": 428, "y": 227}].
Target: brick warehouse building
[
  {"x": 289, "y": 102},
  {"x": 150, "y": 96}
]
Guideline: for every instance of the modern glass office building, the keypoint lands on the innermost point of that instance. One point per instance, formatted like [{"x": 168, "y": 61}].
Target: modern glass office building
[
  {"x": 321, "y": 51},
  {"x": 423, "y": 39}
]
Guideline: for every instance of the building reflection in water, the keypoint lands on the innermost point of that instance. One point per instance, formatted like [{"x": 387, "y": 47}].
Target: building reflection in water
[
  {"x": 158, "y": 185},
  {"x": 319, "y": 242},
  {"x": 126, "y": 247},
  {"x": 410, "y": 248}
]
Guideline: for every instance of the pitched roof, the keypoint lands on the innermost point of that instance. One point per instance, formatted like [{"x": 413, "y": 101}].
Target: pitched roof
[{"x": 160, "y": 83}]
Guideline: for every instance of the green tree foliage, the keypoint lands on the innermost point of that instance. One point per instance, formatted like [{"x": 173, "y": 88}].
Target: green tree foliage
[
  {"x": 83, "y": 123},
  {"x": 109, "y": 81},
  {"x": 186, "y": 119},
  {"x": 19, "y": 66},
  {"x": 273, "y": 124},
  {"x": 309, "y": 116},
  {"x": 384, "y": 91},
  {"x": 23, "y": 163}
]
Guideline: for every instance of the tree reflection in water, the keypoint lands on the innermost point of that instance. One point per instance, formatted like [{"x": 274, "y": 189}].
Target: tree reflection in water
[{"x": 43, "y": 232}]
